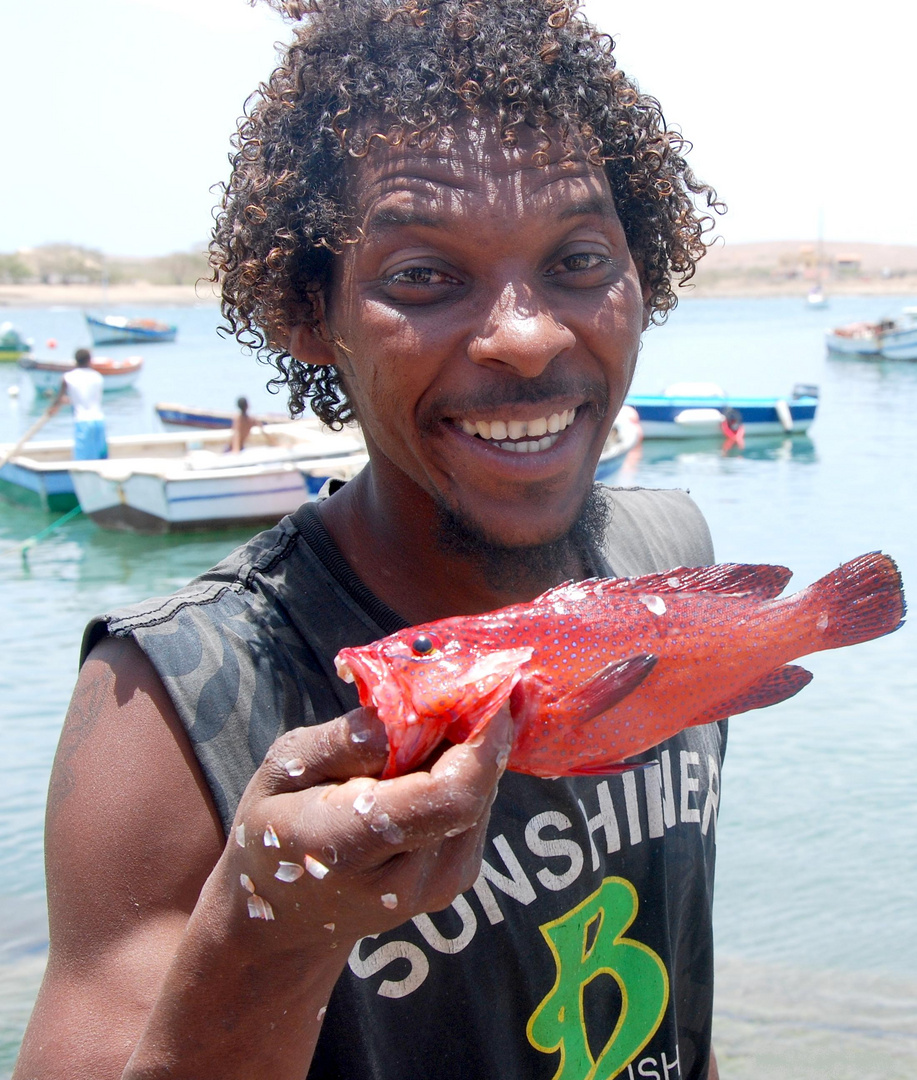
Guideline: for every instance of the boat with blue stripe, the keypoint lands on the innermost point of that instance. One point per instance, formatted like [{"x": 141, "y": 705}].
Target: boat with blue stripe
[{"x": 705, "y": 410}]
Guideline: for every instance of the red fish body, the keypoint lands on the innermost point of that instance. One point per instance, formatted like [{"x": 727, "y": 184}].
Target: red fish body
[{"x": 598, "y": 671}]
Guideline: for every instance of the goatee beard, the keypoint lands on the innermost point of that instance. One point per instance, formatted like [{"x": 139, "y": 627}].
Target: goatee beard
[{"x": 532, "y": 568}]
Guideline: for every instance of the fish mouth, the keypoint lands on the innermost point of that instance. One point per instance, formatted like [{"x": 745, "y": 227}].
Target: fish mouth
[{"x": 519, "y": 436}]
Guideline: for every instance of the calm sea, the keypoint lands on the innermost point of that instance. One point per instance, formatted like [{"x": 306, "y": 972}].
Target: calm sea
[{"x": 816, "y": 910}]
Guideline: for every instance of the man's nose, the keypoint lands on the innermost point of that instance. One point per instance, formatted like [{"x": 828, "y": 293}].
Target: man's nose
[{"x": 519, "y": 331}]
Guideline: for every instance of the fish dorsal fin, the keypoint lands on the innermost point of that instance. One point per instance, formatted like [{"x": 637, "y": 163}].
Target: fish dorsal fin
[{"x": 738, "y": 579}]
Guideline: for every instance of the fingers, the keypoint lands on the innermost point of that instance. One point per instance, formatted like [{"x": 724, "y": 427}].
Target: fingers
[
  {"x": 354, "y": 744},
  {"x": 417, "y": 838},
  {"x": 414, "y": 810}
]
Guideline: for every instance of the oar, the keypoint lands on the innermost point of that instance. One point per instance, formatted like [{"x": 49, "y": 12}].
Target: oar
[{"x": 37, "y": 426}]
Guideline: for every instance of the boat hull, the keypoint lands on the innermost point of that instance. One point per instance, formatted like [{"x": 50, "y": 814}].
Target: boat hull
[
  {"x": 47, "y": 487},
  {"x": 672, "y": 417},
  {"x": 147, "y": 503}
]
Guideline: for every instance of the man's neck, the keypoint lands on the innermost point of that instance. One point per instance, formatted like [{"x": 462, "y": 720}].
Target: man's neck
[{"x": 408, "y": 556}]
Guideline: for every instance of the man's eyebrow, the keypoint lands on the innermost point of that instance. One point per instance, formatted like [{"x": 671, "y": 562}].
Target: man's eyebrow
[
  {"x": 398, "y": 217},
  {"x": 591, "y": 206}
]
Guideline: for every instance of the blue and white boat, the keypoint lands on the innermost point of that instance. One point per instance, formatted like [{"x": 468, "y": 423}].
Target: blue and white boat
[
  {"x": 118, "y": 330},
  {"x": 887, "y": 339},
  {"x": 705, "y": 410},
  {"x": 174, "y": 415}
]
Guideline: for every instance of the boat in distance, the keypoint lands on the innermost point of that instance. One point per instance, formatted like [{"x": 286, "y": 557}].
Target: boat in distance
[
  {"x": 13, "y": 346},
  {"x": 175, "y": 415},
  {"x": 119, "y": 330},
  {"x": 886, "y": 339},
  {"x": 704, "y": 410},
  {"x": 118, "y": 372}
]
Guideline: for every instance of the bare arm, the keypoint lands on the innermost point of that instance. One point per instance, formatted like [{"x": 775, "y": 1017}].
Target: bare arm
[{"x": 156, "y": 967}]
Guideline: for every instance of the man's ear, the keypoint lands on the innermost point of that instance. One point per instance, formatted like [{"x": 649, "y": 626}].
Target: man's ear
[{"x": 308, "y": 344}]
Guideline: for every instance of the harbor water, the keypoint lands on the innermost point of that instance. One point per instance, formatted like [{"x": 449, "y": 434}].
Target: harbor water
[{"x": 816, "y": 905}]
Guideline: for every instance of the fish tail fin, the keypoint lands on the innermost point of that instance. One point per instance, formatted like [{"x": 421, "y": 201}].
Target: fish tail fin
[{"x": 860, "y": 600}]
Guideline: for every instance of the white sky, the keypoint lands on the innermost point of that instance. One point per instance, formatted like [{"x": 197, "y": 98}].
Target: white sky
[{"x": 117, "y": 113}]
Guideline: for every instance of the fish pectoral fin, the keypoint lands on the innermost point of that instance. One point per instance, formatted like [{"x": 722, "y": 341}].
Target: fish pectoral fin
[
  {"x": 776, "y": 686},
  {"x": 746, "y": 579},
  {"x": 608, "y": 686}
]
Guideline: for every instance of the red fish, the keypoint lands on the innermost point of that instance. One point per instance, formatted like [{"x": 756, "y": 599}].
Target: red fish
[{"x": 598, "y": 671}]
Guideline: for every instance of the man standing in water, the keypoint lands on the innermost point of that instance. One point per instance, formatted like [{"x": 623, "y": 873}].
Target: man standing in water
[
  {"x": 82, "y": 386},
  {"x": 451, "y": 222}
]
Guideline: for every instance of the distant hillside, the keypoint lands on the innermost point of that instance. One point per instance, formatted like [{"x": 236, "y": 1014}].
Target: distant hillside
[
  {"x": 789, "y": 267},
  {"x": 68, "y": 274},
  {"x": 71, "y": 264}
]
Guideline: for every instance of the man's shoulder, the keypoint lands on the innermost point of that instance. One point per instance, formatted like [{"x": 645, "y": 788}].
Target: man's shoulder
[
  {"x": 652, "y": 529},
  {"x": 229, "y": 590}
]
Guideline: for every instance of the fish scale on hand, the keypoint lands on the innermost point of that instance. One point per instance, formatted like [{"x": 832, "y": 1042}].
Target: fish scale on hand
[{"x": 598, "y": 671}]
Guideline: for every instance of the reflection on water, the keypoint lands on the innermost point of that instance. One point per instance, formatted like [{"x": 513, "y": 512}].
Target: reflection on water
[{"x": 799, "y": 448}]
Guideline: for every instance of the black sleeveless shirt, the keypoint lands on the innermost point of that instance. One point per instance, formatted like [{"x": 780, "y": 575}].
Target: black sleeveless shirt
[{"x": 584, "y": 949}]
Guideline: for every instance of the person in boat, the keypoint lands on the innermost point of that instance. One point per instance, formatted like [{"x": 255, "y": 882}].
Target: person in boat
[
  {"x": 82, "y": 386},
  {"x": 242, "y": 425},
  {"x": 450, "y": 222}
]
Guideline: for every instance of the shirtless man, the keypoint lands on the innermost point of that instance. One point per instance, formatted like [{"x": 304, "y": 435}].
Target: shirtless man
[{"x": 452, "y": 222}]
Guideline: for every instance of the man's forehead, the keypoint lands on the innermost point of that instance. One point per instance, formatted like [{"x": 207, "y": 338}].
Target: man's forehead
[{"x": 475, "y": 160}]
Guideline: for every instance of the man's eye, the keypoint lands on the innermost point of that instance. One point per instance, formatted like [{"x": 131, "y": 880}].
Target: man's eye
[
  {"x": 418, "y": 275},
  {"x": 583, "y": 260}
]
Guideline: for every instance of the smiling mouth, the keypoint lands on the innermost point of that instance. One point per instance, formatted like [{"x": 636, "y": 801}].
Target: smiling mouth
[{"x": 521, "y": 436}]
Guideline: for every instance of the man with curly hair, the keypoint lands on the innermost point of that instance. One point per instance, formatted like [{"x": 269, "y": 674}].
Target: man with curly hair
[{"x": 450, "y": 222}]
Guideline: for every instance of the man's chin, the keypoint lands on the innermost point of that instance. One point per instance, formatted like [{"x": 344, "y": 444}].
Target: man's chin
[{"x": 530, "y": 567}]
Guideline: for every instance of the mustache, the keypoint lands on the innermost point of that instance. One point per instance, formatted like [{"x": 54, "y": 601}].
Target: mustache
[{"x": 528, "y": 392}]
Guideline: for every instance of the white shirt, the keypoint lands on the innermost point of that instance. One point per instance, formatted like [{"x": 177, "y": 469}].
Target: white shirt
[{"x": 84, "y": 388}]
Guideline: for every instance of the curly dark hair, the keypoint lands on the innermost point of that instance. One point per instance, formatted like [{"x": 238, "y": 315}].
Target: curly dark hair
[{"x": 362, "y": 72}]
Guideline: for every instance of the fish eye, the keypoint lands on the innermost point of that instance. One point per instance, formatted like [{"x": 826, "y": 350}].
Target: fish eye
[{"x": 424, "y": 644}]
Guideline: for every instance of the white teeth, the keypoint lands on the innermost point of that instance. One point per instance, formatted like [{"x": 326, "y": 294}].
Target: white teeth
[{"x": 542, "y": 430}]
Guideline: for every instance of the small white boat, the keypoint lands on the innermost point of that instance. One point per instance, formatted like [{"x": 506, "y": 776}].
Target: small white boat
[
  {"x": 118, "y": 373},
  {"x": 205, "y": 488},
  {"x": 816, "y": 299},
  {"x": 705, "y": 410},
  {"x": 887, "y": 339}
]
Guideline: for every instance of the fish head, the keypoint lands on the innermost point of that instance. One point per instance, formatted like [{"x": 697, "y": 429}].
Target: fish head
[{"x": 425, "y": 689}]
